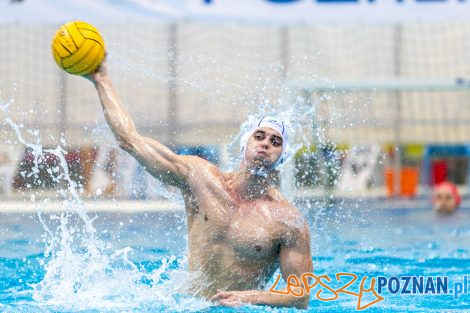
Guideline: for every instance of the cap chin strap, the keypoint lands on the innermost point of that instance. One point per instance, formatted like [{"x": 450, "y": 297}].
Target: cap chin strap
[{"x": 259, "y": 172}]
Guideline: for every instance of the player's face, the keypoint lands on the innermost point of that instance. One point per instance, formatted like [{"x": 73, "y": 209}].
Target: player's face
[
  {"x": 444, "y": 201},
  {"x": 264, "y": 147}
]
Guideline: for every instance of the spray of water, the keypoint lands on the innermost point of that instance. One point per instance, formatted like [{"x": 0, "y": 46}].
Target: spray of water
[{"x": 83, "y": 272}]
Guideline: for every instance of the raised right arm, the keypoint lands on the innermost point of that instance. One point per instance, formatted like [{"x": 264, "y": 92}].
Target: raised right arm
[{"x": 157, "y": 159}]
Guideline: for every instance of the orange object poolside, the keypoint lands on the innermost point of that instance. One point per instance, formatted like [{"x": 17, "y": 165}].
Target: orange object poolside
[{"x": 409, "y": 179}]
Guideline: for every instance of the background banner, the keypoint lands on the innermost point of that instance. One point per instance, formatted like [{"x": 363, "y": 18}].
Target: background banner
[{"x": 283, "y": 11}]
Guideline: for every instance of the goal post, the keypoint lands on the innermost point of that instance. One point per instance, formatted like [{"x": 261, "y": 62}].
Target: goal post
[{"x": 395, "y": 112}]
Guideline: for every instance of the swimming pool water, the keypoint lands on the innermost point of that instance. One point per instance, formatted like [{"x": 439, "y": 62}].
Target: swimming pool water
[{"x": 109, "y": 277}]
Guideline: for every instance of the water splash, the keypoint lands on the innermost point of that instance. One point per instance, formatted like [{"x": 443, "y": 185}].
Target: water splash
[{"x": 83, "y": 272}]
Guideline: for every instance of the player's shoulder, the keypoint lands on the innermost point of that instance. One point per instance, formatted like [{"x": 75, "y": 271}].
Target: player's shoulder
[
  {"x": 286, "y": 212},
  {"x": 280, "y": 201}
]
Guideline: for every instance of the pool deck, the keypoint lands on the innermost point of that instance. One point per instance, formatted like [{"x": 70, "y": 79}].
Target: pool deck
[
  {"x": 24, "y": 202},
  {"x": 124, "y": 206},
  {"x": 140, "y": 206}
]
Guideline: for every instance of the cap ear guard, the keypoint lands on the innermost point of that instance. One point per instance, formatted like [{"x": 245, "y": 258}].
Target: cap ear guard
[
  {"x": 282, "y": 159},
  {"x": 284, "y": 156}
]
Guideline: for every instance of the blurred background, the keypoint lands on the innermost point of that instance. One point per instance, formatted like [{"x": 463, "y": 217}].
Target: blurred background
[{"x": 387, "y": 86}]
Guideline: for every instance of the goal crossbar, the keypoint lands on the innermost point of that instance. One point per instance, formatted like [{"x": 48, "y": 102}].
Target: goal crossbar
[{"x": 455, "y": 84}]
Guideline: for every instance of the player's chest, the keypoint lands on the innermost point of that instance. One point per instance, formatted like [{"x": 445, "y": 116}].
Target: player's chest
[{"x": 253, "y": 236}]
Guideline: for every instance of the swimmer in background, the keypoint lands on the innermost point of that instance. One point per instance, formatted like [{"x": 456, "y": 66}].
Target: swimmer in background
[
  {"x": 446, "y": 198},
  {"x": 240, "y": 227}
]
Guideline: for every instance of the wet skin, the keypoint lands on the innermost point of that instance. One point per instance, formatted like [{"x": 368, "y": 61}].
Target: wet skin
[{"x": 240, "y": 227}]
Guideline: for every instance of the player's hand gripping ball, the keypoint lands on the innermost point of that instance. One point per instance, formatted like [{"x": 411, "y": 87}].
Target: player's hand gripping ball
[{"x": 78, "y": 48}]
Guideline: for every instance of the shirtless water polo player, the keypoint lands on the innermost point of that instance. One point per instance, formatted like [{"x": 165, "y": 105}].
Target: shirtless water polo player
[{"x": 240, "y": 227}]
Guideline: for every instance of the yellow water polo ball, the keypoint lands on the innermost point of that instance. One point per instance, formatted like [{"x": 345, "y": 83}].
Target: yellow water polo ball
[{"x": 78, "y": 48}]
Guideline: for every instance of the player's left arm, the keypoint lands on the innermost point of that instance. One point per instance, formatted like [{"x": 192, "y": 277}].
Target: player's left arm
[{"x": 296, "y": 259}]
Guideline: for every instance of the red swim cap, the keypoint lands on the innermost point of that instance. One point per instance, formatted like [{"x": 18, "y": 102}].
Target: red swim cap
[{"x": 453, "y": 189}]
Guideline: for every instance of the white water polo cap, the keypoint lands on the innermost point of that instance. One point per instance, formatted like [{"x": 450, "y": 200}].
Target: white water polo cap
[{"x": 276, "y": 124}]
